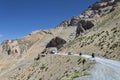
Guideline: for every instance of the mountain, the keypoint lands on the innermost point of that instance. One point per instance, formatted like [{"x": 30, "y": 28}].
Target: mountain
[{"x": 96, "y": 30}]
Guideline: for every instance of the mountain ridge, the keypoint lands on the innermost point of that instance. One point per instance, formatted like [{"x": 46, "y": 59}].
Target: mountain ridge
[{"x": 96, "y": 30}]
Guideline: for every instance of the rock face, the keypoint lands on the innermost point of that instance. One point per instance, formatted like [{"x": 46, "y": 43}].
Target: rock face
[
  {"x": 56, "y": 42},
  {"x": 74, "y": 21},
  {"x": 9, "y": 47},
  {"x": 86, "y": 24},
  {"x": 15, "y": 47},
  {"x": 87, "y": 19}
]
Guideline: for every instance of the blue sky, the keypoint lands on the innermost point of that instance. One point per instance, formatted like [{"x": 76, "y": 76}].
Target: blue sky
[{"x": 20, "y": 17}]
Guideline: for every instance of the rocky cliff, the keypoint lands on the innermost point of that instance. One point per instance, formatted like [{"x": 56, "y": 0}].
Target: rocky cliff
[{"x": 90, "y": 17}]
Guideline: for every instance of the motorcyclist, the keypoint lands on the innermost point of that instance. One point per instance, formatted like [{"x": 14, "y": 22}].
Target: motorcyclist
[
  {"x": 93, "y": 55},
  {"x": 84, "y": 60},
  {"x": 80, "y": 53}
]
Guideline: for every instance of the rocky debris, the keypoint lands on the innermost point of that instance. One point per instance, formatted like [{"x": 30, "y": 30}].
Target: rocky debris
[{"x": 56, "y": 42}]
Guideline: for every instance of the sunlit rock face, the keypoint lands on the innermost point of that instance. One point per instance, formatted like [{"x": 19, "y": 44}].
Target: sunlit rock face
[{"x": 90, "y": 17}]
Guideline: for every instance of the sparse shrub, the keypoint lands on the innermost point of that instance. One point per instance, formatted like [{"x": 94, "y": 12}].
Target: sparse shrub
[
  {"x": 28, "y": 77},
  {"x": 68, "y": 60},
  {"x": 81, "y": 38},
  {"x": 84, "y": 69},
  {"x": 65, "y": 72},
  {"x": 40, "y": 79},
  {"x": 108, "y": 44},
  {"x": 107, "y": 33},
  {"x": 106, "y": 52},
  {"x": 75, "y": 75},
  {"x": 66, "y": 75},
  {"x": 110, "y": 52},
  {"x": 116, "y": 44},
  {"x": 42, "y": 67},
  {"x": 102, "y": 32},
  {"x": 51, "y": 75},
  {"x": 98, "y": 34},
  {"x": 79, "y": 61},
  {"x": 109, "y": 17},
  {"x": 85, "y": 74},
  {"x": 46, "y": 68},
  {"x": 114, "y": 29}
]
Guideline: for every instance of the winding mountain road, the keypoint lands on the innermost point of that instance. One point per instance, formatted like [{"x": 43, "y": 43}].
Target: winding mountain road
[
  {"x": 105, "y": 69},
  {"x": 110, "y": 63}
]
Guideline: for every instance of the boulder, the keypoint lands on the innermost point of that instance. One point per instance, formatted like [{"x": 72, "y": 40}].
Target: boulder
[
  {"x": 56, "y": 42},
  {"x": 83, "y": 25},
  {"x": 79, "y": 29},
  {"x": 86, "y": 24}
]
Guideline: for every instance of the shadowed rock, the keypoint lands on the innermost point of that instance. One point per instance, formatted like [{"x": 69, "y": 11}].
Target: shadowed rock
[
  {"x": 56, "y": 42},
  {"x": 87, "y": 24},
  {"x": 82, "y": 26}
]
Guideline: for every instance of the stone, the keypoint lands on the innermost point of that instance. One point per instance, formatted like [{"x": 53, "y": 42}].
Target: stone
[{"x": 56, "y": 42}]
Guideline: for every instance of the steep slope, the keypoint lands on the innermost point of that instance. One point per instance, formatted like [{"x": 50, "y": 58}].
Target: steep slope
[
  {"x": 52, "y": 67},
  {"x": 27, "y": 48},
  {"x": 103, "y": 39},
  {"x": 96, "y": 30}
]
